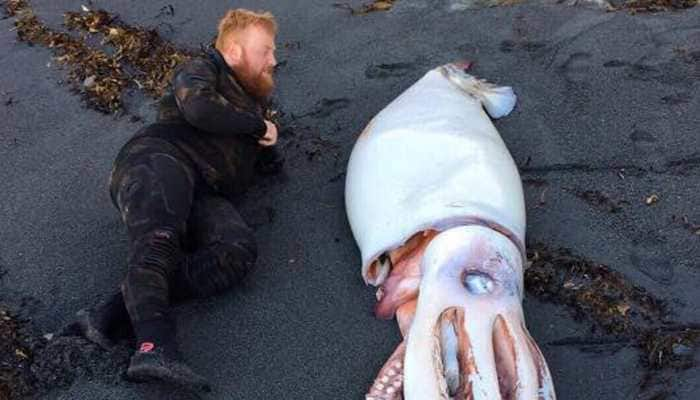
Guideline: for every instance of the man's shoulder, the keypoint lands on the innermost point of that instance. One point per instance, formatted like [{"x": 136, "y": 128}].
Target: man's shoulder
[{"x": 200, "y": 63}]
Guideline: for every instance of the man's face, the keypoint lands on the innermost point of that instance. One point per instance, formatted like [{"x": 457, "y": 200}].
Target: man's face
[{"x": 255, "y": 65}]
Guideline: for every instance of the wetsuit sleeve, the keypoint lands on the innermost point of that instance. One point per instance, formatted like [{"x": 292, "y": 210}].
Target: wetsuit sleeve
[{"x": 203, "y": 107}]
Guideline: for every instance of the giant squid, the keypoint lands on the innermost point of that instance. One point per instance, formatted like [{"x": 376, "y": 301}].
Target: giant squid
[{"x": 436, "y": 206}]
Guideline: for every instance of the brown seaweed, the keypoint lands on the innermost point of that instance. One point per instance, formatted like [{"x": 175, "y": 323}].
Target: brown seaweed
[
  {"x": 657, "y": 5},
  {"x": 153, "y": 58},
  {"x": 131, "y": 56},
  {"x": 599, "y": 199},
  {"x": 15, "y": 358},
  {"x": 377, "y": 5},
  {"x": 626, "y": 313},
  {"x": 592, "y": 290}
]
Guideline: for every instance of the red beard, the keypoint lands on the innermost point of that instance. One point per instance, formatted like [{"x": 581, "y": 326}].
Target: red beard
[{"x": 258, "y": 85}]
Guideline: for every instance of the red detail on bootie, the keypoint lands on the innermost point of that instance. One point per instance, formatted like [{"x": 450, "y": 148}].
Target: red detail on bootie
[{"x": 146, "y": 347}]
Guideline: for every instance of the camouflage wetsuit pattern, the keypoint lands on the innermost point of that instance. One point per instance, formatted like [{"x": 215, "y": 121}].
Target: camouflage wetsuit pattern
[{"x": 173, "y": 184}]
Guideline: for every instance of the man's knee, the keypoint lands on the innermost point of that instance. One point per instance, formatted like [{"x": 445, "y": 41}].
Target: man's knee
[
  {"x": 234, "y": 261},
  {"x": 237, "y": 257},
  {"x": 158, "y": 250},
  {"x": 243, "y": 238}
]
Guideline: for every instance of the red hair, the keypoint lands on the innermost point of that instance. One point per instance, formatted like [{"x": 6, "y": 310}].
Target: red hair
[{"x": 238, "y": 20}]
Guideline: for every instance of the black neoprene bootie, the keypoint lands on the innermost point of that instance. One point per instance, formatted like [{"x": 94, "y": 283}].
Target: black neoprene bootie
[{"x": 163, "y": 364}]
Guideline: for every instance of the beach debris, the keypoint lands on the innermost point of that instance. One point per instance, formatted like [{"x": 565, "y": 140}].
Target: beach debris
[
  {"x": 636, "y": 6},
  {"x": 593, "y": 291},
  {"x": 685, "y": 222},
  {"x": 83, "y": 62},
  {"x": 462, "y": 5},
  {"x": 621, "y": 313},
  {"x": 33, "y": 364},
  {"x": 599, "y": 199},
  {"x": 129, "y": 56},
  {"x": 152, "y": 57},
  {"x": 543, "y": 198},
  {"x": 377, "y": 5},
  {"x": 14, "y": 358}
]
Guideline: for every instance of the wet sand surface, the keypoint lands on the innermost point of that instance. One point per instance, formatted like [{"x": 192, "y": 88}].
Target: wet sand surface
[{"x": 607, "y": 117}]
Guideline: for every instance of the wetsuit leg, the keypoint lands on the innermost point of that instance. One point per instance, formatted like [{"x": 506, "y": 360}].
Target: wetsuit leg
[
  {"x": 154, "y": 195},
  {"x": 223, "y": 247}
]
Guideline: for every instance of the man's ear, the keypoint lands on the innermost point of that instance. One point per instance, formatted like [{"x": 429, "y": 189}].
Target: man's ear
[
  {"x": 236, "y": 53},
  {"x": 233, "y": 54}
]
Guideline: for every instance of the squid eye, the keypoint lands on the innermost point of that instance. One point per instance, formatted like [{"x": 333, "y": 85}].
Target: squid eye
[{"x": 478, "y": 283}]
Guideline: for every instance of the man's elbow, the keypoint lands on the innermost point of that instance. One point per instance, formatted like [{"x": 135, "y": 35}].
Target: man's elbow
[
  {"x": 196, "y": 113},
  {"x": 195, "y": 119}
]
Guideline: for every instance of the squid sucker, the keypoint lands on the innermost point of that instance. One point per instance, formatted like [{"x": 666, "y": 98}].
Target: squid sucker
[{"x": 436, "y": 206}]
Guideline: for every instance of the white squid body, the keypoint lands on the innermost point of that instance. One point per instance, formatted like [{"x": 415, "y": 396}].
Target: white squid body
[{"x": 432, "y": 161}]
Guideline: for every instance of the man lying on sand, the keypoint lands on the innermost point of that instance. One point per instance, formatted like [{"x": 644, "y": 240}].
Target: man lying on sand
[{"x": 173, "y": 184}]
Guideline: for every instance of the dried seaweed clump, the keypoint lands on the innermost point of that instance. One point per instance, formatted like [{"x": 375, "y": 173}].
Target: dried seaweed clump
[
  {"x": 685, "y": 222},
  {"x": 15, "y": 358},
  {"x": 91, "y": 71},
  {"x": 629, "y": 312},
  {"x": 13, "y": 7},
  {"x": 665, "y": 351},
  {"x": 31, "y": 365},
  {"x": 658, "y": 5},
  {"x": 592, "y": 290},
  {"x": 377, "y": 5},
  {"x": 152, "y": 58},
  {"x": 599, "y": 199},
  {"x": 669, "y": 346},
  {"x": 133, "y": 55}
]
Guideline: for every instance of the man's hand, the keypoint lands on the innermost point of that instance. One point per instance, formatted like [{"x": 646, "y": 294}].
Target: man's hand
[{"x": 270, "y": 137}]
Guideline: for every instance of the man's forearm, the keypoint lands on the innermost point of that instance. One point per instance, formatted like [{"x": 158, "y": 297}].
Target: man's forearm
[{"x": 210, "y": 115}]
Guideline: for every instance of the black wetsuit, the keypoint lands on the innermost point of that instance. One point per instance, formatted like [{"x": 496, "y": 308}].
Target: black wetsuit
[{"x": 174, "y": 183}]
